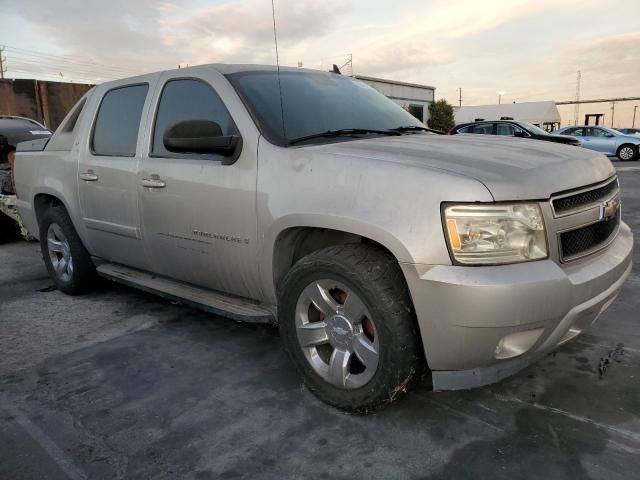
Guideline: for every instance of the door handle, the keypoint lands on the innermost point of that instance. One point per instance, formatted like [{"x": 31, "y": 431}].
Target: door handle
[
  {"x": 153, "y": 182},
  {"x": 88, "y": 176}
]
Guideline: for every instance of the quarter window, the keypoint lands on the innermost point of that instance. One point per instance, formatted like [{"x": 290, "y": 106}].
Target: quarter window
[
  {"x": 188, "y": 99},
  {"x": 115, "y": 132}
]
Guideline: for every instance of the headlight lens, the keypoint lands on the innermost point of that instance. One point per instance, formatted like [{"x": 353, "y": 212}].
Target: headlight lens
[{"x": 495, "y": 233}]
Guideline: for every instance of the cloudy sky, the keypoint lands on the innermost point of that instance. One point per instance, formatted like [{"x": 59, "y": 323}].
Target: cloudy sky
[{"x": 529, "y": 49}]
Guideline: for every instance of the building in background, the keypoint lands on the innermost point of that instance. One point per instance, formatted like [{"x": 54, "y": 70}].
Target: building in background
[
  {"x": 541, "y": 114},
  {"x": 413, "y": 97},
  {"x": 43, "y": 101}
]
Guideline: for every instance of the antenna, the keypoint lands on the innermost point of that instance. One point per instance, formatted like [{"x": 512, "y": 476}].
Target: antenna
[{"x": 275, "y": 40}]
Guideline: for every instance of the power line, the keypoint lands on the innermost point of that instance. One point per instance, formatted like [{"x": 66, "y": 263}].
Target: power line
[
  {"x": 53, "y": 77},
  {"x": 600, "y": 100},
  {"x": 36, "y": 67},
  {"x": 68, "y": 57},
  {"x": 70, "y": 64},
  {"x": 52, "y": 63},
  {"x": 34, "y": 62}
]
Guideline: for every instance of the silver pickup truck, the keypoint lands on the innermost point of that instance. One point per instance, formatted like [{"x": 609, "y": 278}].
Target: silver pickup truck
[{"x": 308, "y": 199}]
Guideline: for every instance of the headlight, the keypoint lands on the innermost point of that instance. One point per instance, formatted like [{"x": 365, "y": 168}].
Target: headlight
[{"x": 495, "y": 233}]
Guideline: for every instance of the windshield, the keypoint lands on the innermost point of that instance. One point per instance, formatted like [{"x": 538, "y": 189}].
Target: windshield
[
  {"x": 314, "y": 103},
  {"x": 533, "y": 128}
]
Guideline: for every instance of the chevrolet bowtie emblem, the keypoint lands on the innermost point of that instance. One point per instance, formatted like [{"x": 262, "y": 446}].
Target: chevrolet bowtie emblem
[{"x": 609, "y": 209}]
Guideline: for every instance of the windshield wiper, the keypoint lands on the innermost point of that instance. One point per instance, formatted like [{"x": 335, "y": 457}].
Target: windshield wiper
[
  {"x": 415, "y": 128},
  {"x": 344, "y": 132}
]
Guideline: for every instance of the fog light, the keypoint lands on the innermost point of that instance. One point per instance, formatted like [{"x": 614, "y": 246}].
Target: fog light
[{"x": 516, "y": 344}]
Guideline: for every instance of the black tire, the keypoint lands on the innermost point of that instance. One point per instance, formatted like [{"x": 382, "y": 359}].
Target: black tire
[
  {"x": 377, "y": 279},
  {"x": 625, "y": 147},
  {"x": 9, "y": 230},
  {"x": 82, "y": 278}
]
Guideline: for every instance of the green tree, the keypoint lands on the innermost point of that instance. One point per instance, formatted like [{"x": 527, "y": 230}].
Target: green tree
[{"x": 441, "y": 116}]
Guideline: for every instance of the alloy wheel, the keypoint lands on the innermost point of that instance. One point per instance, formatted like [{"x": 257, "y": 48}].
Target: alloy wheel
[
  {"x": 626, "y": 153},
  {"x": 337, "y": 334},
  {"x": 59, "y": 253}
]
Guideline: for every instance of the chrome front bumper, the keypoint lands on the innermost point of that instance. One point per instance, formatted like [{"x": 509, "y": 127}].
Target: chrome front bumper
[{"x": 482, "y": 324}]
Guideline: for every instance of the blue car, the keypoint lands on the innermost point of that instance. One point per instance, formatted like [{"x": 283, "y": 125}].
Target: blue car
[{"x": 605, "y": 140}]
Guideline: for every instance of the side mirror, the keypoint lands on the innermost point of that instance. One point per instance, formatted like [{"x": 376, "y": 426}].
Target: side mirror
[
  {"x": 201, "y": 136},
  {"x": 608, "y": 135},
  {"x": 520, "y": 134}
]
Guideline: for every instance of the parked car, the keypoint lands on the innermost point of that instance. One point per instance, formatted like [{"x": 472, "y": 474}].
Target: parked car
[
  {"x": 13, "y": 130},
  {"x": 21, "y": 129},
  {"x": 378, "y": 248},
  {"x": 510, "y": 128},
  {"x": 605, "y": 140},
  {"x": 629, "y": 131}
]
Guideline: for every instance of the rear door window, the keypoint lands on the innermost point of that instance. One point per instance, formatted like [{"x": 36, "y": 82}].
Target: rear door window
[{"x": 115, "y": 132}]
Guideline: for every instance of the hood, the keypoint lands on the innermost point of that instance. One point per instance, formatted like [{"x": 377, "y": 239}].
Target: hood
[
  {"x": 630, "y": 137},
  {"x": 511, "y": 168}
]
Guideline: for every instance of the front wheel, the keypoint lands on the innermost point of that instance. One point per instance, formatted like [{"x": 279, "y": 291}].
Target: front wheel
[
  {"x": 67, "y": 261},
  {"x": 347, "y": 323},
  {"x": 627, "y": 152}
]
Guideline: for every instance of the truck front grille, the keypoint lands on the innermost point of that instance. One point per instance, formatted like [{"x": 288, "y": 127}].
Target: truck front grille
[
  {"x": 584, "y": 199},
  {"x": 583, "y": 240}
]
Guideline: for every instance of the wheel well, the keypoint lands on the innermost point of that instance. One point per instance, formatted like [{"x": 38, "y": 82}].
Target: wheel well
[
  {"x": 294, "y": 243},
  {"x": 627, "y": 145},
  {"x": 42, "y": 202}
]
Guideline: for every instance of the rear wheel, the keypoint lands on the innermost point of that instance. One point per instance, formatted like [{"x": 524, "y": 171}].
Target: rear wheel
[
  {"x": 347, "y": 323},
  {"x": 67, "y": 261},
  {"x": 627, "y": 152}
]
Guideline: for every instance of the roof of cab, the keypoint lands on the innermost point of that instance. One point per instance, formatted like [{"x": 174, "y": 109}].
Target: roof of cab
[{"x": 223, "y": 68}]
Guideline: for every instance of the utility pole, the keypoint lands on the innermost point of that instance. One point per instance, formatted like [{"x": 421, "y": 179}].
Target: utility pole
[
  {"x": 460, "y": 98},
  {"x": 633, "y": 124},
  {"x": 348, "y": 65},
  {"x": 576, "y": 109},
  {"x": 2, "y": 60},
  {"x": 613, "y": 111}
]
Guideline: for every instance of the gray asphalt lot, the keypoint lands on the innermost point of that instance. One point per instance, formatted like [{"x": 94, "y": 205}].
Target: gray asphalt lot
[{"x": 122, "y": 384}]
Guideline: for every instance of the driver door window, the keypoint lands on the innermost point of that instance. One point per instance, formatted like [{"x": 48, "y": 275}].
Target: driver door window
[
  {"x": 188, "y": 99},
  {"x": 595, "y": 132},
  {"x": 484, "y": 129},
  {"x": 506, "y": 129}
]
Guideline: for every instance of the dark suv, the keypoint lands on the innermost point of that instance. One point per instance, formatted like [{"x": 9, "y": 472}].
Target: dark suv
[{"x": 511, "y": 128}]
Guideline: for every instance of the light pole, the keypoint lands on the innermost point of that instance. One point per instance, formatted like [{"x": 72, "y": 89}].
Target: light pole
[
  {"x": 633, "y": 124},
  {"x": 500, "y": 94},
  {"x": 613, "y": 112}
]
